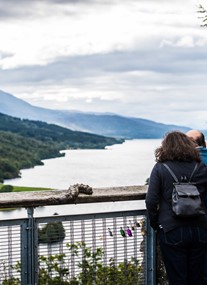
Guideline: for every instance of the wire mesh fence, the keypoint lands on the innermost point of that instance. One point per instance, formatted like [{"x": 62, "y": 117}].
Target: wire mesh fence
[
  {"x": 10, "y": 254},
  {"x": 99, "y": 249}
]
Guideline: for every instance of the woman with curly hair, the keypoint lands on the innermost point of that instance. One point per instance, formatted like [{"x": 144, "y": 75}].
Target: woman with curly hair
[{"x": 182, "y": 240}]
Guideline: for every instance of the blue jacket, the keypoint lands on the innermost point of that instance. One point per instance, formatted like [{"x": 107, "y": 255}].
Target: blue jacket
[
  {"x": 159, "y": 195},
  {"x": 203, "y": 153}
]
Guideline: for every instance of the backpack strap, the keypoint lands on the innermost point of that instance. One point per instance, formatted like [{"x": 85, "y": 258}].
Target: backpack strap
[
  {"x": 173, "y": 174},
  {"x": 196, "y": 166}
]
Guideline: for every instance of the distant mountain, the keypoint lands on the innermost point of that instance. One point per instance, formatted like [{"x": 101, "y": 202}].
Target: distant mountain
[{"x": 103, "y": 124}]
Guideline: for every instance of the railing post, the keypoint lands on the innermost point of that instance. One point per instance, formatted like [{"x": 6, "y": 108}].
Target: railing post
[
  {"x": 150, "y": 253},
  {"x": 29, "y": 250}
]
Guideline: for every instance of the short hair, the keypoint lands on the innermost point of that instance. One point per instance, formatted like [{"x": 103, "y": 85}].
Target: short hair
[
  {"x": 200, "y": 140},
  {"x": 176, "y": 146}
]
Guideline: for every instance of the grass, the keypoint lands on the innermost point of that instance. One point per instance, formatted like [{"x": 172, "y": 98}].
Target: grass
[{"x": 23, "y": 188}]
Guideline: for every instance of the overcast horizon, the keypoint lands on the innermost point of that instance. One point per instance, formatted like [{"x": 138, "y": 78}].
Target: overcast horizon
[{"x": 137, "y": 58}]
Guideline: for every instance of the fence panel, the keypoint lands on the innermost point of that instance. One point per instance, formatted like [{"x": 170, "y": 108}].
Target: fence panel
[
  {"x": 86, "y": 249},
  {"x": 93, "y": 249},
  {"x": 10, "y": 252}
]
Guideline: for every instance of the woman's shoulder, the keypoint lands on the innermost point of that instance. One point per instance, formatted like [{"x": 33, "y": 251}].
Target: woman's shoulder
[
  {"x": 158, "y": 168},
  {"x": 202, "y": 168}
]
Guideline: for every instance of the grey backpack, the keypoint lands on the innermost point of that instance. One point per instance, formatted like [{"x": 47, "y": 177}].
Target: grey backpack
[{"x": 186, "y": 199}]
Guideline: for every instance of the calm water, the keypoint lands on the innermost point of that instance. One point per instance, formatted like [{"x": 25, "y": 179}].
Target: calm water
[{"x": 125, "y": 164}]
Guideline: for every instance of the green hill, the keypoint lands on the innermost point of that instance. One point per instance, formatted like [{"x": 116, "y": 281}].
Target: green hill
[{"x": 24, "y": 143}]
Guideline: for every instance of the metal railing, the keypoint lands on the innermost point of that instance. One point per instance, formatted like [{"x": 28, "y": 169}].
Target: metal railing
[{"x": 101, "y": 248}]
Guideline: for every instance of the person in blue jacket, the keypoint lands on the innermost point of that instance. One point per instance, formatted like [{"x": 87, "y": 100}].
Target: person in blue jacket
[
  {"x": 199, "y": 139},
  {"x": 183, "y": 241}
]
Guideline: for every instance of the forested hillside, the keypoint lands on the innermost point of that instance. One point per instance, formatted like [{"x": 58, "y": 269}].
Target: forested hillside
[
  {"x": 24, "y": 143},
  {"x": 17, "y": 152}
]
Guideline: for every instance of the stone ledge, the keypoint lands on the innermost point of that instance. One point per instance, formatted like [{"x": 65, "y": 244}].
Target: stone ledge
[{"x": 58, "y": 197}]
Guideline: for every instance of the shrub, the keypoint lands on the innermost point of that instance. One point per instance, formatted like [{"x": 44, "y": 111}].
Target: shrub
[
  {"x": 6, "y": 188},
  {"x": 51, "y": 233},
  {"x": 54, "y": 269}
]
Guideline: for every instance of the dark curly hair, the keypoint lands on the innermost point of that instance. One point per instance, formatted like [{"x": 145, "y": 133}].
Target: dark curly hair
[{"x": 177, "y": 146}]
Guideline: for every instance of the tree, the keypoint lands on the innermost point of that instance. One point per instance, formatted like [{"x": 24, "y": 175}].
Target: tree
[
  {"x": 203, "y": 15},
  {"x": 52, "y": 232}
]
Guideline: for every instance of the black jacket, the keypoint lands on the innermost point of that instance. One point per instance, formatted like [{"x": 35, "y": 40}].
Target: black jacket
[{"x": 159, "y": 195}]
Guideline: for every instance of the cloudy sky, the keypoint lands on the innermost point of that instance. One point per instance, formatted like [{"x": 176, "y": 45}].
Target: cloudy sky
[{"x": 139, "y": 58}]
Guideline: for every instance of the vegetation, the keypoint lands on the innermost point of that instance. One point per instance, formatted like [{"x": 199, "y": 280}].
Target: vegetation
[
  {"x": 5, "y": 187},
  {"x": 51, "y": 233},
  {"x": 25, "y": 143},
  {"x": 53, "y": 134},
  {"x": 54, "y": 269},
  {"x": 22, "y": 189},
  {"x": 17, "y": 152},
  {"x": 203, "y": 15}
]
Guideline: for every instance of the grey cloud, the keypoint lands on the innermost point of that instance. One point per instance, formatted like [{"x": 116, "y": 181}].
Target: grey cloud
[
  {"x": 28, "y": 9},
  {"x": 5, "y": 54},
  {"x": 38, "y": 8},
  {"x": 12, "y": 8},
  {"x": 173, "y": 61}
]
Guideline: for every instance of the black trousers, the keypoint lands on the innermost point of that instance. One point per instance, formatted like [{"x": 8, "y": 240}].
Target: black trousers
[{"x": 183, "y": 250}]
